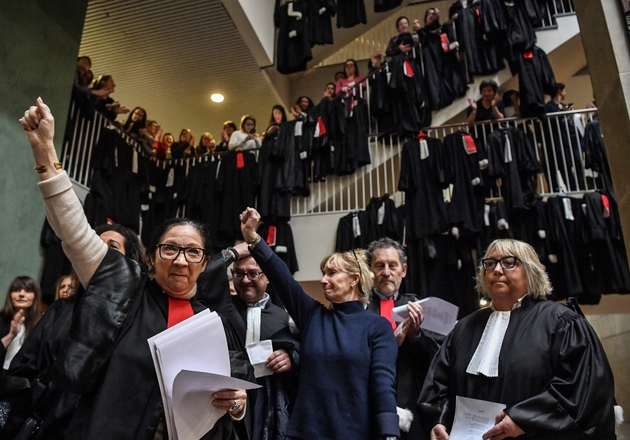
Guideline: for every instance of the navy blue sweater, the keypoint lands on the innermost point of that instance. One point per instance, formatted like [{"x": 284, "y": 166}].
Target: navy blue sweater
[{"x": 348, "y": 363}]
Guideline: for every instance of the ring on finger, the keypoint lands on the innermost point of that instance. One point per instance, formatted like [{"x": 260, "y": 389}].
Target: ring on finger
[{"x": 235, "y": 406}]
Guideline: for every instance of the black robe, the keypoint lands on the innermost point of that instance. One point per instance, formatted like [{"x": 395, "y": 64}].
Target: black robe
[
  {"x": 517, "y": 168},
  {"x": 236, "y": 186},
  {"x": 293, "y": 161},
  {"x": 386, "y": 5},
  {"x": 320, "y": 13},
  {"x": 423, "y": 180},
  {"x": 384, "y": 209},
  {"x": 535, "y": 79},
  {"x": 110, "y": 365},
  {"x": 463, "y": 172},
  {"x": 553, "y": 374},
  {"x": 272, "y": 404},
  {"x": 350, "y": 13},
  {"x": 281, "y": 241},
  {"x": 294, "y": 49},
  {"x": 482, "y": 51},
  {"x": 272, "y": 203},
  {"x": 595, "y": 156},
  {"x": 445, "y": 79},
  {"x": 605, "y": 239},
  {"x": 362, "y": 223},
  {"x": 410, "y": 106}
]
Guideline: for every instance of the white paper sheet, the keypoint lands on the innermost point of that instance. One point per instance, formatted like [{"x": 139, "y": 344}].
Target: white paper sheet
[
  {"x": 473, "y": 417},
  {"x": 165, "y": 336},
  {"x": 196, "y": 344},
  {"x": 439, "y": 316},
  {"x": 258, "y": 354},
  {"x": 192, "y": 401}
]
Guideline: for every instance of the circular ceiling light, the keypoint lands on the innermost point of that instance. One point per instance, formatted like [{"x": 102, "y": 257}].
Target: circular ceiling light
[{"x": 217, "y": 97}]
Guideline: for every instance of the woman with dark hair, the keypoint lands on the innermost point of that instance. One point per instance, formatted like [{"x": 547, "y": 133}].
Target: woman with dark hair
[
  {"x": 246, "y": 138},
  {"x": 512, "y": 103},
  {"x": 405, "y": 41},
  {"x": 104, "y": 103},
  {"x": 277, "y": 117},
  {"x": 111, "y": 365},
  {"x": 489, "y": 107},
  {"x": 185, "y": 147},
  {"x": 135, "y": 125},
  {"x": 348, "y": 85},
  {"x": 21, "y": 311},
  {"x": 53, "y": 405}
]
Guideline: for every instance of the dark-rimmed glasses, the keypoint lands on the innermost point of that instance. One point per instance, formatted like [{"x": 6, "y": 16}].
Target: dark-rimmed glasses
[
  {"x": 252, "y": 275},
  {"x": 507, "y": 262},
  {"x": 171, "y": 252}
]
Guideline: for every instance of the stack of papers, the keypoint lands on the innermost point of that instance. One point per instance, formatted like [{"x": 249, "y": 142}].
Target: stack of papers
[
  {"x": 473, "y": 418},
  {"x": 192, "y": 362},
  {"x": 439, "y": 316}
]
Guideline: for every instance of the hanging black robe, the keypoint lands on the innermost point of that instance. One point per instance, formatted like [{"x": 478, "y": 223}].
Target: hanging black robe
[
  {"x": 362, "y": 222},
  {"x": 350, "y": 13},
  {"x": 445, "y": 79},
  {"x": 423, "y": 180},
  {"x": 294, "y": 49},
  {"x": 595, "y": 156},
  {"x": 410, "y": 107},
  {"x": 281, "y": 243},
  {"x": 236, "y": 186},
  {"x": 517, "y": 168},
  {"x": 535, "y": 79},
  {"x": 463, "y": 172},
  {"x": 272, "y": 203},
  {"x": 553, "y": 374},
  {"x": 320, "y": 13},
  {"x": 386, "y": 5}
]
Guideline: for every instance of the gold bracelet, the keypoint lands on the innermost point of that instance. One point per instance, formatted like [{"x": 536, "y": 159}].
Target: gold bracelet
[
  {"x": 43, "y": 168},
  {"x": 254, "y": 242}
]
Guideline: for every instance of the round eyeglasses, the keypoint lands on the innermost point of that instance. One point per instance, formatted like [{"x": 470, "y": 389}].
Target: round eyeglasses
[{"x": 171, "y": 252}]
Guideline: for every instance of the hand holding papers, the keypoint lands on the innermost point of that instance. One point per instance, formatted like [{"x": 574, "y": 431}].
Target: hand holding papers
[
  {"x": 439, "y": 316},
  {"x": 258, "y": 354},
  {"x": 473, "y": 418},
  {"x": 182, "y": 355}
]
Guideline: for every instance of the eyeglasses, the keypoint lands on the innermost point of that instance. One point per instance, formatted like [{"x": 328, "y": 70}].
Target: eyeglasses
[
  {"x": 252, "y": 275},
  {"x": 506, "y": 262},
  {"x": 171, "y": 252}
]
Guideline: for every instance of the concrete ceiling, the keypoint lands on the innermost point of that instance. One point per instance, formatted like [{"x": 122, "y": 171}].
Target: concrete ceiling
[{"x": 170, "y": 56}]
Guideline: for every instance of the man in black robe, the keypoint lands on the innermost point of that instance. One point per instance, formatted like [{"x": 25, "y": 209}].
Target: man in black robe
[
  {"x": 389, "y": 264},
  {"x": 267, "y": 321}
]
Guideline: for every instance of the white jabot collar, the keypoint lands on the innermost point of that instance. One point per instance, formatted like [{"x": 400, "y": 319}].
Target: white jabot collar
[{"x": 486, "y": 358}]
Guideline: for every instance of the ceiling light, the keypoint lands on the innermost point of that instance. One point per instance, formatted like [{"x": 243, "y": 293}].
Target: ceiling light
[{"x": 217, "y": 97}]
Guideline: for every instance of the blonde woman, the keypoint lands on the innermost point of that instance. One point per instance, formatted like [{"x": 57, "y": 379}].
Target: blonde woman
[{"x": 348, "y": 355}]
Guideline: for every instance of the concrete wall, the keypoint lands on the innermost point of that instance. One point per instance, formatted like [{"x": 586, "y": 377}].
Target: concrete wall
[{"x": 39, "y": 42}]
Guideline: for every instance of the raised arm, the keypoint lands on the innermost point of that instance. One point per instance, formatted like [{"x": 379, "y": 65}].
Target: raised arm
[
  {"x": 63, "y": 209},
  {"x": 298, "y": 303}
]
